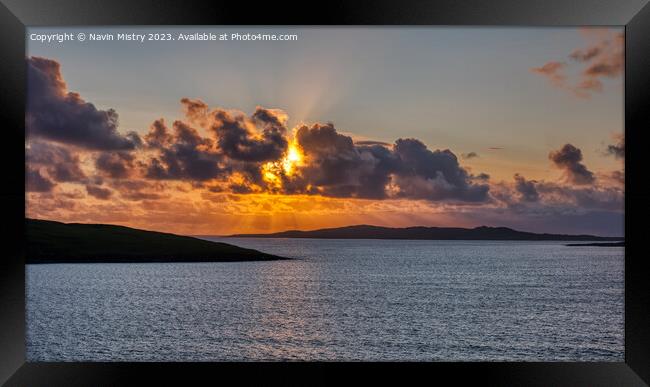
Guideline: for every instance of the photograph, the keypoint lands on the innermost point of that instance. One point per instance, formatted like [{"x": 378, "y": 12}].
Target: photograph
[{"x": 324, "y": 193}]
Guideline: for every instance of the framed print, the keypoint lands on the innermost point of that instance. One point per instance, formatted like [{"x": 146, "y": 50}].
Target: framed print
[{"x": 393, "y": 189}]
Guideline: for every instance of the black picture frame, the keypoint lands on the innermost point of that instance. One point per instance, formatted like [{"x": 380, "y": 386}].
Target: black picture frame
[{"x": 15, "y": 15}]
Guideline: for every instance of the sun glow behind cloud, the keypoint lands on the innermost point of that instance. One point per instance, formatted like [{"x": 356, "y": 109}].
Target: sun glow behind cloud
[
  {"x": 287, "y": 166},
  {"x": 292, "y": 159}
]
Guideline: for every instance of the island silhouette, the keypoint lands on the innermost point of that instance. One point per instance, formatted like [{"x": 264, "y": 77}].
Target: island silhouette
[
  {"x": 55, "y": 242},
  {"x": 428, "y": 233}
]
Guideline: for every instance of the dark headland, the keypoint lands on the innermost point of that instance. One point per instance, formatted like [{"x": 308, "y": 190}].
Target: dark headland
[
  {"x": 602, "y": 244},
  {"x": 482, "y": 233},
  {"x": 55, "y": 242}
]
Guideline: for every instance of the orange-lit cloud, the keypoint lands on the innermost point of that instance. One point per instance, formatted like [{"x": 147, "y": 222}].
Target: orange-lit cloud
[
  {"x": 602, "y": 58},
  {"x": 553, "y": 71}
]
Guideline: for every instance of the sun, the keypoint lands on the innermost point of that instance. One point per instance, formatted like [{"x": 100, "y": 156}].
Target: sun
[
  {"x": 273, "y": 170},
  {"x": 293, "y": 158}
]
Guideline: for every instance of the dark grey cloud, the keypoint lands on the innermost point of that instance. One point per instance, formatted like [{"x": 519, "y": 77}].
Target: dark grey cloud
[
  {"x": 332, "y": 159},
  {"x": 35, "y": 182},
  {"x": 335, "y": 166},
  {"x": 339, "y": 167},
  {"x": 526, "y": 188},
  {"x": 581, "y": 198},
  {"x": 99, "y": 192},
  {"x": 196, "y": 111},
  {"x": 60, "y": 163},
  {"x": 139, "y": 189},
  {"x": 270, "y": 118},
  {"x": 379, "y": 164},
  {"x": 139, "y": 196},
  {"x": 158, "y": 135},
  {"x": 117, "y": 165},
  {"x": 236, "y": 141},
  {"x": 434, "y": 175},
  {"x": 618, "y": 149},
  {"x": 54, "y": 113},
  {"x": 182, "y": 155},
  {"x": 530, "y": 199},
  {"x": 569, "y": 159},
  {"x": 469, "y": 155}
]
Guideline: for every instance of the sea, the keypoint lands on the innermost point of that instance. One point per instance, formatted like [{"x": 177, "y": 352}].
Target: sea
[{"x": 337, "y": 300}]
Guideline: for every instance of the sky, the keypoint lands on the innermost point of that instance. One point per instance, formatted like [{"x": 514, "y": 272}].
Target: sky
[{"x": 434, "y": 126}]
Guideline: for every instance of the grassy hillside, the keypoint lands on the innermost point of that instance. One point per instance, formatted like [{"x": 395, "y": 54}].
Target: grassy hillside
[{"x": 55, "y": 242}]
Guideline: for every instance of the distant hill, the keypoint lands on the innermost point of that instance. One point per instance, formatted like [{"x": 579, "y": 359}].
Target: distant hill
[
  {"x": 427, "y": 233},
  {"x": 55, "y": 242}
]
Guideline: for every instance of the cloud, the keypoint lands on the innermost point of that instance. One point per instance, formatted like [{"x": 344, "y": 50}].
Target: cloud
[
  {"x": 370, "y": 143},
  {"x": 140, "y": 189},
  {"x": 618, "y": 149},
  {"x": 99, "y": 192},
  {"x": 530, "y": 199},
  {"x": 158, "y": 135},
  {"x": 469, "y": 155},
  {"x": 35, "y": 182},
  {"x": 568, "y": 158},
  {"x": 566, "y": 198},
  {"x": 433, "y": 175},
  {"x": 54, "y": 113},
  {"x": 526, "y": 188},
  {"x": 335, "y": 166},
  {"x": 585, "y": 55},
  {"x": 196, "y": 111},
  {"x": 235, "y": 143},
  {"x": 238, "y": 142},
  {"x": 182, "y": 154},
  {"x": 246, "y": 154},
  {"x": 605, "y": 69},
  {"x": 603, "y": 58},
  {"x": 117, "y": 165},
  {"x": 585, "y": 86},
  {"x": 60, "y": 163},
  {"x": 553, "y": 71},
  {"x": 618, "y": 176}
]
